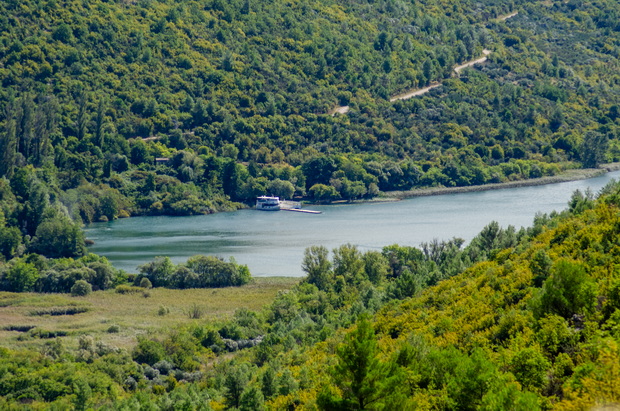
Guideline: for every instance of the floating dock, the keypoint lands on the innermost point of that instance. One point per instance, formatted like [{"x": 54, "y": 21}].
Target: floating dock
[{"x": 301, "y": 210}]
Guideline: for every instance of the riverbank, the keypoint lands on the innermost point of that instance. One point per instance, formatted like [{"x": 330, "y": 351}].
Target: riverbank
[{"x": 568, "y": 175}]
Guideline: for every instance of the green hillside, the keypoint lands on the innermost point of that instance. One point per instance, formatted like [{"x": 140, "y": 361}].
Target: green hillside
[
  {"x": 234, "y": 101},
  {"x": 518, "y": 320},
  {"x": 120, "y": 108}
]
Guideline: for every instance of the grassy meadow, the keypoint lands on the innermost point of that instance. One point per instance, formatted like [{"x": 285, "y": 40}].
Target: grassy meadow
[{"x": 29, "y": 319}]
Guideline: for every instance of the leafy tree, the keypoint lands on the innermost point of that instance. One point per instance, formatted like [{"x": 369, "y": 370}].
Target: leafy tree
[
  {"x": 280, "y": 188},
  {"x": 159, "y": 271},
  {"x": 148, "y": 351},
  {"x": 59, "y": 237},
  {"x": 530, "y": 368},
  {"x": 318, "y": 171},
  {"x": 252, "y": 399},
  {"x": 21, "y": 276},
  {"x": 10, "y": 242},
  {"x": 323, "y": 193},
  {"x": 317, "y": 266},
  {"x": 568, "y": 291},
  {"x": 593, "y": 149},
  {"x": 235, "y": 384}
]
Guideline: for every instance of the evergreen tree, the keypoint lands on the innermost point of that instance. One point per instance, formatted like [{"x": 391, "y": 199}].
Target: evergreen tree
[{"x": 359, "y": 374}]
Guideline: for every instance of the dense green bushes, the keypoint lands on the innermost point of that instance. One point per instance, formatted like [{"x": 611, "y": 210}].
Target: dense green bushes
[
  {"x": 35, "y": 273},
  {"x": 199, "y": 272}
]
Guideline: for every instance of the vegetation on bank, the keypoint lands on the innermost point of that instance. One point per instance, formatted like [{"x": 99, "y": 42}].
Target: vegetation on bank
[{"x": 525, "y": 319}]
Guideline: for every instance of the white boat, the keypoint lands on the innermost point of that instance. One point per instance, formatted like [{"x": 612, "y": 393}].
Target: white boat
[{"x": 267, "y": 203}]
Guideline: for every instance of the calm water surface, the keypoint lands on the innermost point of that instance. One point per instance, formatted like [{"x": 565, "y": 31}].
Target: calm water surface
[{"x": 272, "y": 243}]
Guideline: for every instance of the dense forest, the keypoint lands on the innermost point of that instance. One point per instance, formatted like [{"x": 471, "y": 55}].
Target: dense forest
[{"x": 118, "y": 108}]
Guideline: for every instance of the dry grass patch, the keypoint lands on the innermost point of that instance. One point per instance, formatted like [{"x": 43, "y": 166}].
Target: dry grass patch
[{"x": 127, "y": 315}]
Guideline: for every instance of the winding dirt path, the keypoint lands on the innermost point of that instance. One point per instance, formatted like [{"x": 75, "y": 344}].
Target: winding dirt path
[
  {"x": 420, "y": 91},
  {"x": 339, "y": 110},
  {"x": 507, "y": 16},
  {"x": 457, "y": 70}
]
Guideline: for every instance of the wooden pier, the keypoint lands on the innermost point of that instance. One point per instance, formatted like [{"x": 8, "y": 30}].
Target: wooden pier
[{"x": 301, "y": 210}]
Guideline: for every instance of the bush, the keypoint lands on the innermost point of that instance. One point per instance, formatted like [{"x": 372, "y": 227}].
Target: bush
[
  {"x": 146, "y": 283},
  {"x": 81, "y": 288},
  {"x": 568, "y": 291},
  {"x": 195, "y": 312},
  {"x": 148, "y": 351},
  {"x": 163, "y": 311},
  {"x": 21, "y": 276},
  {"x": 128, "y": 289}
]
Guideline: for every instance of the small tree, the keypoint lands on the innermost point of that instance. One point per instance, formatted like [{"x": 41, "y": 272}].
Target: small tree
[
  {"x": 159, "y": 272},
  {"x": 318, "y": 267},
  {"x": 252, "y": 400},
  {"x": 235, "y": 384},
  {"x": 568, "y": 291},
  {"x": 593, "y": 149},
  {"x": 59, "y": 237}
]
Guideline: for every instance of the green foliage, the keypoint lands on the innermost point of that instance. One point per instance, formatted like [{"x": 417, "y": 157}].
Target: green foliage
[
  {"x": 93, "y": 93},
  {"x": 199, "y": 272},
  {"x": 148, "y": 352},
  {"x": 530, "y": 367},
  {"x": 568, "y": 291},
  {"x": 145, "y": 283},
  {"x": 21, "y": 276},
  {"x": 81, "y": 288},
  {"x": 235, "y": 384},
  {"x": 359, "y": 374},
  {"x": 252, "y": 399},
  {"x": 59, "y": 237},
  {"x": 317, "y": 266}
]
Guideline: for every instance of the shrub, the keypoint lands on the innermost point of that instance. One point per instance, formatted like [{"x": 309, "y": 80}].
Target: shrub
[
  {"x": 81, "y": 288},
  {"x": 21, "y": 276},
  {"x": 163, "y": 310},
  {"x": 146, "y": 283},
  {"x": 128, "y": 289},
  {"x": 195, "y": 312},
  {"x": 148, "y": 351},
  {"x": 114, "y": 329},
  {"x": 568, "y": 291}
]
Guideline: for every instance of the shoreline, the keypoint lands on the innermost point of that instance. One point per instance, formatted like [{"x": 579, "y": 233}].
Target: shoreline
[{"x": 566, "y": 176}]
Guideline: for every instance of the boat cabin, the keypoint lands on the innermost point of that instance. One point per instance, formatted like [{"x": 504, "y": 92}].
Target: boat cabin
[{"x": 267, "y": 203}]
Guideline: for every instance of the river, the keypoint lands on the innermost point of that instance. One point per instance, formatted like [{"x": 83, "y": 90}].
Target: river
[{"x": 272, "y": 243}]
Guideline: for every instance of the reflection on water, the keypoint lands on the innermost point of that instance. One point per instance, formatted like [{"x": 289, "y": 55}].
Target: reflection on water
[{"x": 272, "y": 243}]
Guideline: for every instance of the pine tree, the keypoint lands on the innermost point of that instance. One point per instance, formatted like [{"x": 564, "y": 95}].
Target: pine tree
[{"x": 361, "y": 377}]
